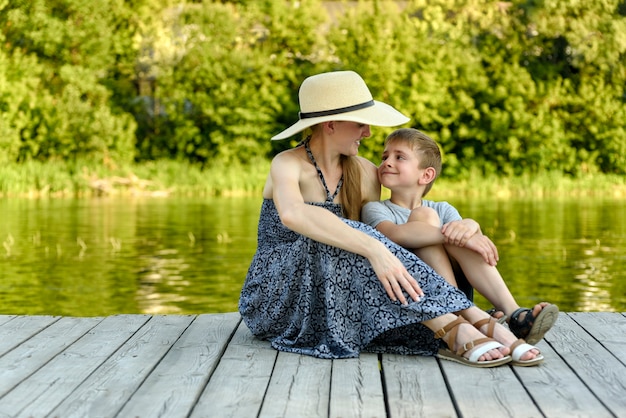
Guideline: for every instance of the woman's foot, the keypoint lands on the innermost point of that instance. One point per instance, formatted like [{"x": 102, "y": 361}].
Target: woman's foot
[
  {"x": 523, "y": 354},
  {"x": 467, "y": 345}
]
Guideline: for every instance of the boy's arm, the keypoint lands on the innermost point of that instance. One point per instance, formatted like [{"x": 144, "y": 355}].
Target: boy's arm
[
  {"x": 460, "y": 231},
  {"x": 414, "y": 234},
  {"x": 466, "y": 233}
]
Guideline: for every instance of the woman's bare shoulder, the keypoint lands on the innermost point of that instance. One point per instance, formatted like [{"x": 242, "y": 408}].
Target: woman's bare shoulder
[
  {"x": 367, "y": 165},
  {"x": 369, "y": 182},
  {"x": 292, "y": 154}
]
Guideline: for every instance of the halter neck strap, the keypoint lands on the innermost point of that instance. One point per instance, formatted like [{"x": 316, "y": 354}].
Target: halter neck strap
[{"x": 329, "y": 198}]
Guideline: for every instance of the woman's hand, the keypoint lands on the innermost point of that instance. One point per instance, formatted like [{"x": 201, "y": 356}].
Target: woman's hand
[{"x": 393, "y": 275}]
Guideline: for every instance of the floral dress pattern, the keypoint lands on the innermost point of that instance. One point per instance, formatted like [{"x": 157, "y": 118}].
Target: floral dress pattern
[{"x": 310, "y": 298}]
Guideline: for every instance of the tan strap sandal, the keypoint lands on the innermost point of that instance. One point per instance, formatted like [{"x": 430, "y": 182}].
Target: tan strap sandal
[
  {"x": 490, "y": 328},
  {"x": 480, "y": 347},
  {"x": 518, "y": 348}
]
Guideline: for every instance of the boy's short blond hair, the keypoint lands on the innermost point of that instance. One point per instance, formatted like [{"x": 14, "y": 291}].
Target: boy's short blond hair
[{"x": 426, "y": 149}]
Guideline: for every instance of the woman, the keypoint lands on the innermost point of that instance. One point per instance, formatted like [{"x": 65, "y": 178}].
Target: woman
[{"x": 324, "y": 284}]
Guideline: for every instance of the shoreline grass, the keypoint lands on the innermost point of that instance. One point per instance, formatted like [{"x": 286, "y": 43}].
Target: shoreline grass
[{"x": 171, "y": 178}]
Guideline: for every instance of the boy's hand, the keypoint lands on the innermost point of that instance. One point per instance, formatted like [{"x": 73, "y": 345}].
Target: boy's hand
[
  {"x": 485, "y": 247},
  {"x": 459, "y": 232}
]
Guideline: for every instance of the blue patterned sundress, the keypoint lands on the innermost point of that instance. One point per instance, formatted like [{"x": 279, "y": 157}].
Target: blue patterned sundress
[{"x": 310, "y": 298}]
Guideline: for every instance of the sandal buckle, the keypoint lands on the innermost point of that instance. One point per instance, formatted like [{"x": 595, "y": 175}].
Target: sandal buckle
[
  {"x": 440, "y": 334},
  {"x": 468, "y": 346}
]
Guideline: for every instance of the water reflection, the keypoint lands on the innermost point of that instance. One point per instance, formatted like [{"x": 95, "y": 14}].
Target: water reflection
[
  {"x": 190, "y": 255},
  {"x": 567, "y": 251}
]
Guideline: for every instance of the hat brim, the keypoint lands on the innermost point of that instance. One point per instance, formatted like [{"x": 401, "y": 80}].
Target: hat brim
[{"x": 381, "y": 114}]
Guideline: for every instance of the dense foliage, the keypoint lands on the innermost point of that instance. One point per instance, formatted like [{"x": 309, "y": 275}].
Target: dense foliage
[{"x": 507, "y": 87}]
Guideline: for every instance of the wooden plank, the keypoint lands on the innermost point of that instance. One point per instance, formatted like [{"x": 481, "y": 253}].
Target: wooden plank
[
  {"x": 174, "y": 366},
  {"x": 356, "y": 388},
  {"x": 603, "y": 373},
  {"x": 16, "y": 330},
  {"x": 299, "y": 387},
  {"x": 238, "y": 384},
  {"x": 111, "y": 385},
  {"x": 184, "y": 372},
  {"x": 557, "y": 390},
  {"x": 415, "y": 387},
  {"x": 28, "y": 357},
  {"x": 6, "y": 318},
  {"x": 48, "y": 386},
  {"x": 497, "y": 390},
  {"x": 609, "y": 328}
]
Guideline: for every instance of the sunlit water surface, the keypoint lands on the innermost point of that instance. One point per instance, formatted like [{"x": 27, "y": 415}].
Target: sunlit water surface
[{"x": 91, "y": 257}]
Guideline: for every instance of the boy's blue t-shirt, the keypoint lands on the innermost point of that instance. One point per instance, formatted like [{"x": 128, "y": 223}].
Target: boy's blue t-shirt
[{"x": 374, "y": 213}]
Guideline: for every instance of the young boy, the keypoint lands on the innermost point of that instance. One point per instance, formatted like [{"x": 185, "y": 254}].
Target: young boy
[{"x": 437, "y": 233}]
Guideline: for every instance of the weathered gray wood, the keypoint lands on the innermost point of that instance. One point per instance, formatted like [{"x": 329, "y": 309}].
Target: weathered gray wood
[
  {"x": 356, "y": 388},
  {"x": 16, "y": 330},
  {"x": 6, "y": 318},
  {"x": 183, "y": 373},
  {"x": 415, "y": 387},
  {"x": 238, "y": 384},
  {"x": 496, "y": 390},
  {"x": 609, "y": 328},
  {"x": 557, "y": 390},
  {"x": 24, "y": 360},
  {"x": 300, "y": 386},
  {"x": 176, "y": 366},
  {"x": 105, "y": 392},
  {"x": 602, "y": 372},
  {"x": 51, "y": 384}
]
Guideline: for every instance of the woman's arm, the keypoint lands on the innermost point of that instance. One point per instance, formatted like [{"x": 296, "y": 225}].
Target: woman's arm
[{"x": 322, "y": 225}]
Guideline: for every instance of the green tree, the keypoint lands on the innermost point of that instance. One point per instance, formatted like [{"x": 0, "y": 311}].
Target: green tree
[
  {"x": 62, "y": 49},
  {"x": 506, "y": 87},
  {"x": 223, "y": 79}
]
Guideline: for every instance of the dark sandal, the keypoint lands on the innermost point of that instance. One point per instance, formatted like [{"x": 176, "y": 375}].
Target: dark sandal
[
  {"x": 502, "y": 319},
  {"x": 530, "y": 328},
  {"x": 487, "y": 344}
]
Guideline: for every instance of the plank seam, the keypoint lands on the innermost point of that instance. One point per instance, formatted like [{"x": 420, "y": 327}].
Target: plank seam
[{"x": 217, "y": 363}]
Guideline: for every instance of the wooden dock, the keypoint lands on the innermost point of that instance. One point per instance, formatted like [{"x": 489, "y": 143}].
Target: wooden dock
[{"x": 211, "y": 366}]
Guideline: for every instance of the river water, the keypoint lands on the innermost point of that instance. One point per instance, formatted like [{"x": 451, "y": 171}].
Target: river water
[{"x": 92, "y": 257}]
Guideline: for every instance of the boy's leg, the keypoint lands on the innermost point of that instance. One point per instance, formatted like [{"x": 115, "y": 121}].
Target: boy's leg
[
  {"x": 463, "y": 284},
  {"x": 486, "y": 279},
  {"x": 434, "y": 255}
]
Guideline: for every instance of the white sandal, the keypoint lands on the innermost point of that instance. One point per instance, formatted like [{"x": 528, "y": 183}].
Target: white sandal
[
  {"x": 518, "y": 348},
  {"x": 487, "y": 345}
]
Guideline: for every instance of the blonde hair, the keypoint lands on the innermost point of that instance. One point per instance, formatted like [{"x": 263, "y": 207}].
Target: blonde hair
[
  {"x": 350, "y": 193},
  {"x": 426, "y": 149}
]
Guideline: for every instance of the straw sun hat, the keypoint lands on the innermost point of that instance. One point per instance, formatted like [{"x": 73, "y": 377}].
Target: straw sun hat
[{"x": 341, "y": 96}]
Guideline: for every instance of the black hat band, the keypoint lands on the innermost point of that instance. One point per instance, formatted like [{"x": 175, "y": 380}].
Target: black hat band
[{"x": 309, "y": 115}]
